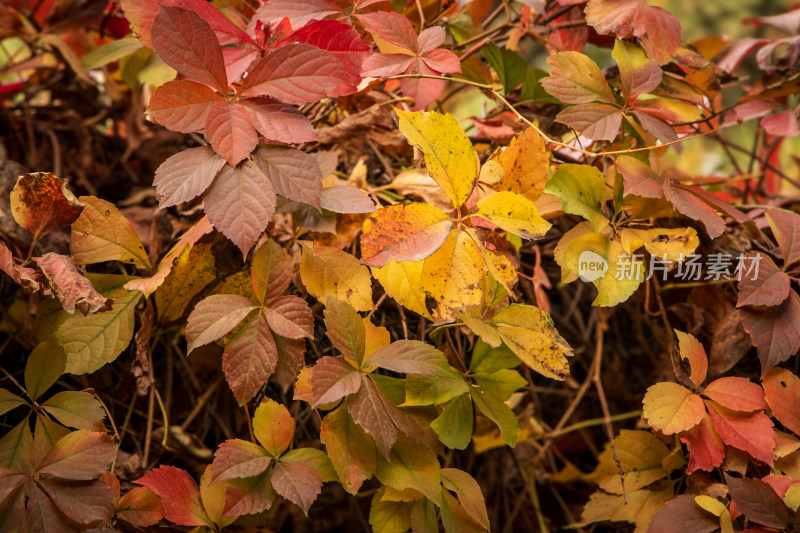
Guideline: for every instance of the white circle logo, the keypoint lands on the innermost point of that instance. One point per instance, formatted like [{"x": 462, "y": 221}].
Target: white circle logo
[{"x": 591, "y": 266}]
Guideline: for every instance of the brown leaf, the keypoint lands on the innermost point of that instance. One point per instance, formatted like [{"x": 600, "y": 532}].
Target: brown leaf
[
  {"x": 41, "y": 202},
  {"x": 70, "y": 286}
]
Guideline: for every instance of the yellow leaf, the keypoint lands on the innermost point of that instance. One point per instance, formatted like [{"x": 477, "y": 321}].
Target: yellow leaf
[
  {"x": 712, "y": 505},
  {"x": 403, "y": 282},
  {"x": 530, "y": 334},
  {"x": 603, "y": 261},
  {"x": 582, "y": 191},
  {"x": 636, "y": 507},
  {"x": 525, "y": 162},
  {"x": 191, "y": 272},
  {"x": 448, "y": 151},
  {"x": 452, "y": 276},
  {"x": 672, "y": 408},
  {"x": 567, "y": 275},
  {"x": 337, "y": 273},
  {"x": 404, "y": 232},
  {"x": 513, "y": 213},
  {"x": 213, "y": 498},
  {"x": 497, "y": 264},
  {"x": 641, "y": 456},
  {"x": 662, "y": 243}
]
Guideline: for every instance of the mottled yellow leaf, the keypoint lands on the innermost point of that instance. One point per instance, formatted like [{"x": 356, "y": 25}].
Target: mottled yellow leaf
[
  {"x": 524, "y": 162},
  {"x": 663, "y": 243},
  {"x": 336, "y": 273},
  {"x": 636, "y": 507},
  {"x": 452, "y": 276},
  {"x": 513, "y": 213},
  {"x": 603, "y": 261},
  {"x": 640, "y": 455},
  {"x": 530, "y": 334},
  {"x": 448, "y": 151},
  {"x": 403, "y": 282},
  {"x": 102, "y": 233}
]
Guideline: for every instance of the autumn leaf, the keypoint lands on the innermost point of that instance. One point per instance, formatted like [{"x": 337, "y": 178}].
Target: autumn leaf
[
  {"x": 293, "y": 173},
  {"x": 41, "y": 202},
  {"x": 774, "y": 330},
  {"x": 637, "y": 74},
  {"x": 186, "y": 175},
  {"x": 785, "y": 227},
  {"x": 706, "y": 449},
  {"x": 576, "y": 79},
  {"x": 468, "y": 493},
  {"x": 250, "y": 357},
  {"x": 403, "y": 282},
  {"x": 524, "y": 163},
  {"x": 101, "y": 233},
  {"x": 230, "y": 132},
  {"x": 273, "y": 426},
  {"x": 183, "y": 105},
  {"x": 770, "y": 287},
  {"x": 582, "y": 191},
  {"x": 411, "y": 466},
  {"x": 683, "y": 514},
  {"x": 179, "y": 495},
  {"x": 750, "y": 432},
  {"x": 297, "y": 483},
  {"x": 336, "y": 273},
  {"x": 671, "y": 408},
  {"x": 403, "y": 232},
  {"x": 214, "y": 317},
  {"x": 641, "y": 458},
  {"x": 736, "y": 394},
  {"x": 70, "y": 286},
  {"x": 782, "y": 389},
  {"x": 350, "y": 449},
  {"x": 333, "y": 379},
  {"x": 758, "y": 502},
  {"x": 692, "y": 351},
  {"x": 448, "y": 151},
  {"x": 514, "y": 213}
]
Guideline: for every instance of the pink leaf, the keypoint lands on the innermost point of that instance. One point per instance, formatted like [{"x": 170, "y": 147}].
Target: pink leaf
[
  {"x": 179, "y": 495},
  {"x": 70, "y": 286},
  {"x": 785, "y": 227},
  {"x": 442, "y": 60},
  {"x": 595, "y": 121},
  {"x": 188, "y": 44},
  {"x": 758, "y": 502},
  {"x": 410, "y": 357},
  {"x": 290, "y": 317},
  {"x": 81, "y": 455},
  {"x": 693, "y": 207},
  {"x": 346, "y": 199},
  {"x": 182, "y": 105},
  {"x": 214, "y": 317},
  {"x": 332, "y": 379},
  {"x": 737, "y": 394},
  {"x": 241, "y": 204},
  {"x": 278, "y": 121},
  {"x": 230, "y": 132},
  {"x": 186, "y": 175},
  {"x": 393, "y": 28},
  {"x": 771, "y": 286},
  {"x": 656, "y": 125},
  {"x": 783, "y": 124},
  {"x": 237, "y": 458},
  {"x": 296, "y": 74},
  {"x": 385, "y": 65},
  {"x": 297, "y": 483},
  {"x": 294, "y": 174},
  {"x": 298, "y": 12},
  {"x": 368, "y": 407}
]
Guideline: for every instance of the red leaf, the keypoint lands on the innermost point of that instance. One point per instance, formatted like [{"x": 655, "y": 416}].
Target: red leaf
[
  {"x": 238, "y": 458},
  {"x": 774, "y": 330},
  {"x": 657, "y": 28},
  {"x": 80, "y": 502},
  {"x": 297, "y": 483},
  {"x": 271, "y": 271},
  {"x": 441, "y": 60},
  {"x": 422, "y": 90},
  {"x": 179, "y": 495},
  {"x": 186, "y": 175},
  {"x": 41, "y": 202},
  {"x": 706, "y": 450},
  {"x": 214, "y": 317},
  {"x": 298, "y": 12},
  {"x": 751, "y": 432},
  {"x": 230, "y": 132},
  {"x": 693, "y": 207},
  {"x": 296, "y": 74},
  {"x": 771, "y": 286},
  {"x": 227, "y": 31},
  {"x": 248, "y": 495},
  {"x": 595, "y": 121},
  {"x": 393, "y": 28},
  {"x": 70, "y": 286},
  {"x": 368, "y": 407},
  {"x": 80, "y": 454},
  {"x": 782, "y": 390},
  {"x": 290, "y": 317},
  {"x": 640, "y": 179},
  {"x": 140, "y": 507},
  {"x": 783, "y": 124},
  {"x": 737, "y": 394},
  {"x": 385, "y": 65},
  {"x": 346, "y": 199},
  {"x": 656, "y": 125},
  {"x": 241, "y": 204},
  {"x": 294, "y": 174},
  {"x": 278, "y": 121},
  {"x": 410, "y": 357},
  {"x": 249, "y": 359},
  {"x": 785, "y": 227},
  {"x": 684, "y": 515},
  {"x": 332, "y": 379},
  {"x": 188, "y": 44},
  {"x": 758, "y": 502},
  {"x": 182, "y": 105},
  {"x": 341, "y": 40}
]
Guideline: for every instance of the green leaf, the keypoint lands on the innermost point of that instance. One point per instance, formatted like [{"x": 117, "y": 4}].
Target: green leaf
[
  {"x": 45, "y": 365},
  {"x": 502, "y": 383},
  {"x": 434, "y": 389},
  {"x": 411, "y": 466},
  {"x": 454, "y": 425},
  {"x": 16, "y": 447},
  {"x": 113, "y": 51},
  {"x": 9, "y": 401},
  {"x": 582, "y": 191},
  {"x": 92, "y": 341},
  {"x": 314, "y": 459},
  {"x": 76, "y": 409},
  {"x": 488, "y": 359},
  {"x": 532, "y": 89},
  {"x": 511, "y": 68},
  {"x": 498, "y": 412}
]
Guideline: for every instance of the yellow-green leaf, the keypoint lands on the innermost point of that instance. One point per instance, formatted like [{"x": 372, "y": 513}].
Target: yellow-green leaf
[
  {"x": 191, "y": 272},
  {"x": 448, "y": 151},
  {"x": 102, "y": 233},
  {"x": 582, "y": 191}
]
